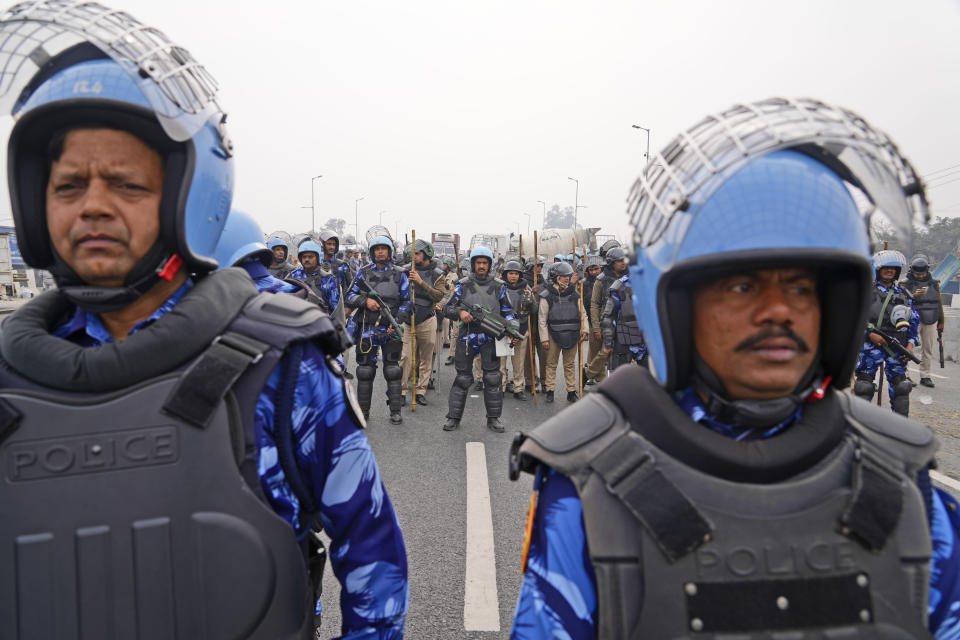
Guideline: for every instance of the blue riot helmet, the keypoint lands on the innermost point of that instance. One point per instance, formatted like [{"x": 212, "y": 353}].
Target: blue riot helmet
[
  {"x": 381, "y": 240},
  {"x": 310, "y": 245},
  {"x": 888, "y": 258},
  {"x": 558, "y": 257},
  {"x": 481, "y": 252},
  {"x": 765, "y": 185},
  {"x": 241, "y": 241},
  {"x": 143, "y": 85},
  {"x": 273, "y": 243}
]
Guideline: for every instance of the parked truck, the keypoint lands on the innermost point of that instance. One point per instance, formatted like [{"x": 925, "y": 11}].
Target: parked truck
[{"x": 446, "y": 244}]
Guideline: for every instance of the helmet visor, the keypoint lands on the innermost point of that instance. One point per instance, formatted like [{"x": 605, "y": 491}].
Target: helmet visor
[{"x": 179, "y": 89}]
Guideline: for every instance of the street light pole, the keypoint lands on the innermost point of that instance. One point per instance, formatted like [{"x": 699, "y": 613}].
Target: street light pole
[
  {"x": 356, "y": 216},
  {"x": 576, "y": 199},
  {"x": 528, "y": 223},
  {"x": 313, "y": 207},
  {"x": 544, "y": 223},
  {"x": 380, "y": 222},
  {"x": 647, "y": 154}
]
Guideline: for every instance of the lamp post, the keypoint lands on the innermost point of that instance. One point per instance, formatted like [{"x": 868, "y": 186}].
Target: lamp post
[
  {"x": 528, "y": 223},
  {"x": 356, "y": 215},
  {"x": 544, "y": 223},
  {"x": 380, "y": 216},
  {"x": 313, "y": 208},
  {"x": 576, "y": 199},
  {"x": 647, "y": 154}
]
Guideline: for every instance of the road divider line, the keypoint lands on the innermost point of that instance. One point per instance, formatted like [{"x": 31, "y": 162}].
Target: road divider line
[
  {"x": 481, "y": 608},
  {"x": 946, "y": 481}
]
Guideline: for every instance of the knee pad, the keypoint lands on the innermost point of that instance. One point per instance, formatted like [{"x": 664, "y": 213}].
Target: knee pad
[
  {"x": 463, "y": 380},
  {"x": 492, "y": 378},
  {"x": 392, "y": 371},
  {"x": 366, "y": 372},
  {"x": 864, "y": 388},
  {"x": 901, "y": 386}
]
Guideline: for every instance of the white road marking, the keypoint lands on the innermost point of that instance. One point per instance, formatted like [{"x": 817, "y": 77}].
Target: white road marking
[
  {"x": 481, "y": 608},
  {"x": 945, "y": 481},
  {"x": 932, "y": 375}
]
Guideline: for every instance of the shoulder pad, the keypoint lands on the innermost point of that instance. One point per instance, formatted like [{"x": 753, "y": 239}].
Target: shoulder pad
[
  {"x": 617, "y": 285},
  {"x": 562, "y": 442},
  {"x": 499, "y": 281},
  {"x": 280, "y": 319},
  {"x": 464, "y": 280},
  {"x": 910, "y": 441}
]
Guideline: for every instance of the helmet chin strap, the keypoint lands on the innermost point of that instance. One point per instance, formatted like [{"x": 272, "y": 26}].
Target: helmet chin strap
[
  {"x": 753, "y": 413},
  {"x": 158, "y": 264}
]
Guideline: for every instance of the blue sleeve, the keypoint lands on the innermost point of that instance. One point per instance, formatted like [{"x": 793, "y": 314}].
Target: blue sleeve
[
  {"x": 944, "y": 605},
  {"x": 354, "y": 297},
  {"x": 297, "y": 273},
  {"x": 367, "y": 551},
  {"x": 332, "y": 291},
  {"x": 616, "y": 304},
  {"x": 558, "y": 594},
  {"x": 404, "y": 294},
  {"x": 914, "y": 335},
  {"x": 505, "y": 309}
]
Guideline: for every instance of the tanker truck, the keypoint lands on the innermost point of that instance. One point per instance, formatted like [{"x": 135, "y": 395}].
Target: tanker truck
[{"x": 553, "y": 241}]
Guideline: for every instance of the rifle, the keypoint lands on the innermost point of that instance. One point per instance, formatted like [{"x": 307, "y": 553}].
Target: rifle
[
  {"x": 369, "y": 291},
  {"x": 491, "y": 323},
  {"x": 940, "y": 342},
  {"x": 894, "y": 347},
  {"x": 533, "y": 367}
]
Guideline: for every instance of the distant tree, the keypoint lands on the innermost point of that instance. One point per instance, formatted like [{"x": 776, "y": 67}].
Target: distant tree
[
  {"x": 335, "y": 224},
  {"x": 938, "y": 240},
  {"x": 558, "y": 218},
  {"x": 348, "y": 239}
]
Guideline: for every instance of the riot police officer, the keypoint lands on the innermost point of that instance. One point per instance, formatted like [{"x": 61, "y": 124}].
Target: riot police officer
[
  {"x": 280, "y": 267},
  {"x": 340, "y": 268},
  {"x": 427, "y": 277},
  {"x": 378, "y": 281},
  {"x": 538, "y": 375},
  {"x": 563, "y": 325},
  {"x": 891, "y": 315},
  {"x": 741, "y": 492},
  {"x": 316, "y": 276},
  {"x": 622, "y": 338},
  {"x": 479, "y": 292},
  {"x": 523, "y": 303},
  {"x": 925, "y": 291},
  {"x": 615, "y": 267},
  {"x": 206, "y": 460},
  {"x": 593, "y": 267}
]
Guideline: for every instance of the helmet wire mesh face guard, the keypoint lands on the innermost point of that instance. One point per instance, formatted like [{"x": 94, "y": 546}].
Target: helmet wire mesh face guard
[
  {"x": 180, "y": 90},
  {"x": 766, "y": 185}
]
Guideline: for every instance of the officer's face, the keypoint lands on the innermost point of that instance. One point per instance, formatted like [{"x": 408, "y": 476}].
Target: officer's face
[
  {"x": 279, "y": 254},
  {"x": 421, "y": 258},
  {"x": 381, "y": 253},
  {"x": 103, "y": 203},
  {"x": 888, "y": 273},
  {"x": 620, "y": 265},
  {"x": 481, "y": 266},
  {"x": 593, "y": 271},
  {"x": 563, "y": 281},
  {"x": 309, "y": 260},
  {"x": 758, "y": 331},
  {"x": 331, "y": 246},
  {"x": 513, "y": 277}
]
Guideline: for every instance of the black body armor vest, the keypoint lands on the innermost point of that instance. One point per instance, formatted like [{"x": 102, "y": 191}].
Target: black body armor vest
[
  {"x": 132, "y": 503},
  {"x": 928, "y": 306},
  {"x": 423, "y": 306},
  {"x": 588, "y": 283},
  {"x": 627, "y": 328},
  {"x": 387, "y": 284},
  {"x": 485, "y": 293},
  {"x": 515, "y": 298},
  {"x": 314, "y": 284},
  {"x": 563, "y": 318},
  {"x": 877, "y": 307},
  {"x": 818, "y": 532},
  {"x": 281, "y": 271}
]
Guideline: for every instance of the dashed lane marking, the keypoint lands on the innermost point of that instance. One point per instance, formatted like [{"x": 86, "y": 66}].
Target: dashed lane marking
[
  {"x": 946, "y": 481},
  {"x": 481, "y": 608}
]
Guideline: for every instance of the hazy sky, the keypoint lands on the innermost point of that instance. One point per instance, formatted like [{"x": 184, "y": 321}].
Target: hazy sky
[{"x": 459, "y": 117}]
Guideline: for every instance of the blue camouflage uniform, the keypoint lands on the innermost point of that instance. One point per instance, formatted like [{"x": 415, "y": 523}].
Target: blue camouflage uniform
[
  {"x": 558, "y": 597},
  {"x": 476, "y": 340},
  {"x": 871, "y": 355},
  {"x": 265, "y": 282},
  {"x": 637, "y": 351},
  {"x": 329, "y": 290},
  {"x": 367, "y": 550},
  {"x": 377, "y": 334}
]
